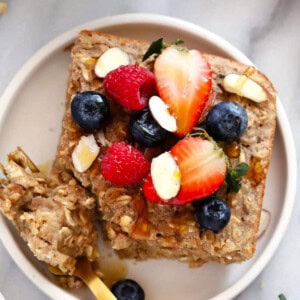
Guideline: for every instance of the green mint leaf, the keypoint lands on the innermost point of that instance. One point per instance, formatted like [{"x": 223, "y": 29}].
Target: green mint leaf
[
  {"x": 155, "y": 48},
  {"x": 233, "y": 176},
  {"x": 177, "y": 42},
  {"x": 282, "y": 297},
  {"x": 241, "y": 169},
  {"x": 233, "y": 183}
]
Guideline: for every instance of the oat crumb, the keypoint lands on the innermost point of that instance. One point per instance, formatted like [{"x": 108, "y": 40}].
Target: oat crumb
[{"x": 3, "y": 8}]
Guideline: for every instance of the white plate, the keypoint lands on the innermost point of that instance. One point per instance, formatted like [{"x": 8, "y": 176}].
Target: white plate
[{"x": 31, "y": 109}]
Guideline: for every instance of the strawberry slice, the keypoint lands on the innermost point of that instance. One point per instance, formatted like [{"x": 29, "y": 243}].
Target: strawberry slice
[
  {"x": 202, "y": 166},
  {"x": 184, "y": 80},
  {"x": 203, "y": 169}
]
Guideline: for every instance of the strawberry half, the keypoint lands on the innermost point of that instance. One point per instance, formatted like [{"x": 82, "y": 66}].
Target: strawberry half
[
  {"x": 203, "y": 169},
  {"x": 184, "y": 80},
  {"x": 202, "y": 166}
]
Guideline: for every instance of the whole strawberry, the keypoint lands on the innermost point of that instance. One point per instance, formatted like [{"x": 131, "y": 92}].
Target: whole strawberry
[
  {"x": 123, "y": 164},
  {"x": 130, "y": 85}
]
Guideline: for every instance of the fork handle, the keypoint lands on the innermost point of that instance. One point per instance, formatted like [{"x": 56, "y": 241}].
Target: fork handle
[
  {"x": 94, "y": 283},
  {"x": 97, "y": 287}
]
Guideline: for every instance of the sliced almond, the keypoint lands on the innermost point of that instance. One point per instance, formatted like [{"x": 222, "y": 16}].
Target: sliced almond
[
  {"x": 244, "y": 87},
  {"x": 101, "y": 139},
  {"x": 242, "y": 156},
  {"x": 264, "y": 222},
  {"x": 85, "y": 153},
  {"x": 160, "y": 112},
  {"x": 110, "y": 60},
  {"x": 165, "y": 175}
]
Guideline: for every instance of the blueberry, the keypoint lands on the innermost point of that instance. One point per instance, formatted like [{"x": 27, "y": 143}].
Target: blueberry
[
  {"x": 226, "y": 121},
  {"x": 89, "y": 110},
  {"x": 212, "y": 213},
  {"x": 145, "y": 130},
  {"x": 128, "y": 289}
]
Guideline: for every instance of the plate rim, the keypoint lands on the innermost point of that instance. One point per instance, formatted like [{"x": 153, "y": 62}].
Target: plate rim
[{"x": 152, "y": 19}]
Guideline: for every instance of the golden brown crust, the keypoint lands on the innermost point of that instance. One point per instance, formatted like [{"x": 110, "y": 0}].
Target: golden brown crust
[{"x": 137, "y": 228}]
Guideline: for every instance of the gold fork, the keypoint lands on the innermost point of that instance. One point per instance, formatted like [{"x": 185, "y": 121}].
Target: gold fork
[{"x": 85, "y": 273}]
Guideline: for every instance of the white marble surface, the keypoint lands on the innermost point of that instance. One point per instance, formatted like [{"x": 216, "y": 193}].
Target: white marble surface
[{"x": 266, "y": 31}]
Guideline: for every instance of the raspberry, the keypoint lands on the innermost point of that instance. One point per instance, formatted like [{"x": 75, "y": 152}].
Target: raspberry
[
  {"x": 123, "y": 164},
  {"x": 130, "y": 85}
]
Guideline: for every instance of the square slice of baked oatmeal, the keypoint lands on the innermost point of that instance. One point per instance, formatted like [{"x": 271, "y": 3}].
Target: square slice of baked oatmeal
[{"x": 137, "y": 228}]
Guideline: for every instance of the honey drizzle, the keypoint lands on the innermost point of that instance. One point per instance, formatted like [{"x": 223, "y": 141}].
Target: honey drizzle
[
  {"x": 244, "y": 77},
  {"x": 45, "y": 167},
  {"x": 256, "y": 172},
  {"x": 141, "y": 228},
  {"x": 113, "y": 269},
  {"x": 232, "y": 150},
  {"x": 249, "y": 71}
]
